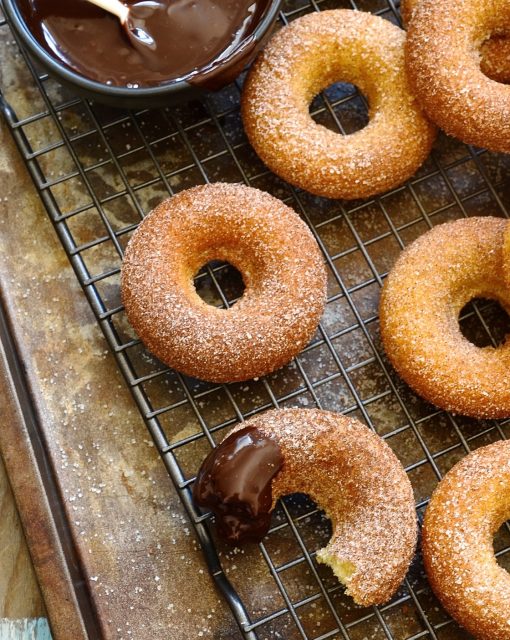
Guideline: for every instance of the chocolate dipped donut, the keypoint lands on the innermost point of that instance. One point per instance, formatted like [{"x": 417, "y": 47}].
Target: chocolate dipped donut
[
  {"x": 495, "y": 52},
  {"x": 347, "y": 469},
  {"x": 432, "y": 280},
  {"x": 304, "y": 58},
  {"x": 466, "y": 510},
  {"x": 443, "y": 64},
  {"x": 277, "y": 256}
]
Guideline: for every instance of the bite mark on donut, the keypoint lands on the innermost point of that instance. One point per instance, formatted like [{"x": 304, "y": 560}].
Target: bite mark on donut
[{"x": 343, "y": 569}]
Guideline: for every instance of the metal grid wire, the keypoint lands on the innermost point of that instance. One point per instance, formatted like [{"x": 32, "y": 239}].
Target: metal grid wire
[{"x": 99, "y": 171}]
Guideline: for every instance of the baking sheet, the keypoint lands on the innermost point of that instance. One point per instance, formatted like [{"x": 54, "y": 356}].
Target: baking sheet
[{"x": 104, "y": 169}]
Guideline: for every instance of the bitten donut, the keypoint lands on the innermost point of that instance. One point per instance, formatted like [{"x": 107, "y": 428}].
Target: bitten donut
[
  {"x": 495, "y": 52},
  {"x": 347, "y": 469},
  {"x": 432, "y": 280},
  {"x": 272, "y": 248},
  {"x": 309, "y": 55},
  {"x": 466, "y": 510},
  {"x": 443, "y": 64}
]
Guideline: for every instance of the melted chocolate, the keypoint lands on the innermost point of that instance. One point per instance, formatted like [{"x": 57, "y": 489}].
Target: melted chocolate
[
  {"x": 234, "y": 482},
  {"x": 164, "y": 40}
]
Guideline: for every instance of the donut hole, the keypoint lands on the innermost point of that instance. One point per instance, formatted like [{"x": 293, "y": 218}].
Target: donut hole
[
  {"x": 341, "y": 108},
  {"x": 484, "y": 322},
  {"x": 218, "y": 281}
]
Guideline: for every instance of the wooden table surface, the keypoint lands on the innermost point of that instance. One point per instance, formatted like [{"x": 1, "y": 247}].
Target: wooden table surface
[{"x": 20, "y": 597}]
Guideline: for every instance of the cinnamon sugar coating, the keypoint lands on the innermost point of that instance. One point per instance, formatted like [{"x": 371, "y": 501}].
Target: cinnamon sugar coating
[
  {"x": 466, "y": 510},
  {"x": 304, "y": 58},
  {"x": 353, "y": 475},
  {"x": 506, "y": 255},
  {"x": 432, "y": 280},
  {"x": 443, "y": 64},
  {"x": 495, "y": 52},
  {"x": 277, "y": 256}
]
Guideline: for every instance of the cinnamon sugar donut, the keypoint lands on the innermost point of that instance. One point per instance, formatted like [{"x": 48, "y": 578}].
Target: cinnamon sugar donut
[
  {"x": 432, "y": 280},
  {"x": 506, "y": 254},
  {"x": 269, "y": 244},
  {"x": 466, "y": 510},
  {"x": 348, "y": 470},
  {"x": 495, "y": 52},
  {"x": 443, "y": 63},
  {"x": 309, "y": 55}
]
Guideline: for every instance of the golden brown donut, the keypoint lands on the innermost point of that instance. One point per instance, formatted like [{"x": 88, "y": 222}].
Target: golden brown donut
[
  {"x": 432, "y": 280},
  {"x": 506, "y": 254},
  {"x": 309, "y": 55},
  {"x": 277, "y": 256},
  {"x": 495, "y": 52},
  {"x": 348, "y": 470},
  {"x": 443, "y": 64},
  {"x": 466, "y": 510}
]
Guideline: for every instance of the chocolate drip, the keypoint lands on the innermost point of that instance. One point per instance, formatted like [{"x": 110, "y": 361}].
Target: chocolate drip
[
  {"x": 165, "y": 39},
  {"x": 234, "y": 482}
]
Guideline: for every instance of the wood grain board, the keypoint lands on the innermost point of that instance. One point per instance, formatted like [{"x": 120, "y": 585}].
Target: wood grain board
[{"x": 20, "y": 596}]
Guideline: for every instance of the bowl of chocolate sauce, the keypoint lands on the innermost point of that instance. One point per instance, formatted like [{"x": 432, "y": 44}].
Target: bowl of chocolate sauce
[{"x": 188, "y": 47}]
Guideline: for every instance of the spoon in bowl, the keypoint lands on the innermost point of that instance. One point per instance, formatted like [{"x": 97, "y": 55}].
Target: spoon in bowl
[{"x": 139, "y": 21}]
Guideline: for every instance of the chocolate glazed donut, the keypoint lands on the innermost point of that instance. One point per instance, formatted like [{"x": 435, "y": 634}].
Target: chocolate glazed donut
[{"x": 347, "y": 469}]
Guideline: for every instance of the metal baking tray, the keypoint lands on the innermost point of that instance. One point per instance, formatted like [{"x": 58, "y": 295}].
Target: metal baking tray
[{"x": 117, "y": 166}]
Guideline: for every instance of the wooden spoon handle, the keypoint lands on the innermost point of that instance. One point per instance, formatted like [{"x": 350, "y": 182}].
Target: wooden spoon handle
[{"x": 113, "y": 6}]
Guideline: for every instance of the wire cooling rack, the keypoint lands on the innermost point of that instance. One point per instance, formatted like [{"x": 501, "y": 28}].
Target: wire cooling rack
[{"x": 99, "y": 171}]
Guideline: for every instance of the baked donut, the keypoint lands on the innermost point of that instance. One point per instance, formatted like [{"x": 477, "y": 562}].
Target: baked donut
[
  {"x": 277, "y": 256},
  {"x": 347, "y": 469},
  {"x": 443, "y": 64},
  {"x": 466, "y": 510},
  {"x": 307, "y": 56},
  {"x": 432, "y": 280},
  {"x": 495, "y": 52},
  {"x": 506, "y": 254}
]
